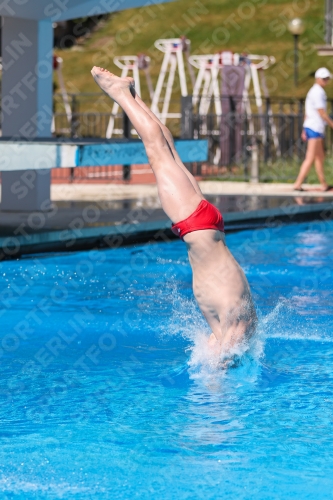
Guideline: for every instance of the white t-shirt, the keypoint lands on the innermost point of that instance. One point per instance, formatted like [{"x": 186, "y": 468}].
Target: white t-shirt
[{"x": 315, "y": 99}]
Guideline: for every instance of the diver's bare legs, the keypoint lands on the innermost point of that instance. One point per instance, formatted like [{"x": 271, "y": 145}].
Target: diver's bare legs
[
  {"x": 178, "y": 195},
  {"x": 168, "y": 136}
]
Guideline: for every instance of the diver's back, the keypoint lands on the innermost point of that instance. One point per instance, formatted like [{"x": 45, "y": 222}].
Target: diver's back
[{"x": 220, "y": 286}]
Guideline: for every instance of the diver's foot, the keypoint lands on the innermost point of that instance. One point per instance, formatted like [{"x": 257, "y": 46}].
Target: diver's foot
[{"x": 110, "y": 83}]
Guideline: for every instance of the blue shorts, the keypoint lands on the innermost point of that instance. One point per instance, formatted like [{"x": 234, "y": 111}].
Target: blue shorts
[{"x": 311, "y": 134}]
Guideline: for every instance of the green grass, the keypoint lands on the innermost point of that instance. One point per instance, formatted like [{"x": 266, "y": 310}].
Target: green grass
[
  {"x": 257, "y": 26},
  {"x": 279, "y": 171},
  {"x": 287, "y": 171}
]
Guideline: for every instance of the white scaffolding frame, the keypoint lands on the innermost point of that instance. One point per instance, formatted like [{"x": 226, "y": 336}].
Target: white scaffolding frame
[
  {"x": 207, "y": 84},
  {"x": 58, "y": 62},
  {"x": 129, "y": 64},
  {"x": 57, "y": 67},
  {"x": 173, "y": 61},
  {"x": 263, "y": 62}
]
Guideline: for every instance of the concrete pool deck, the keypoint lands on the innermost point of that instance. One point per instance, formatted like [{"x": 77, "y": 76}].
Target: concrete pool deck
[
  {"x": 109, "y": 215},
  {"x": 95, "y": 192}
]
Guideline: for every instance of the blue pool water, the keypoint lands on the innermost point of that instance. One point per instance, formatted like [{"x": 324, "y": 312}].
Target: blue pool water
[{"x": 107, "y": 391}]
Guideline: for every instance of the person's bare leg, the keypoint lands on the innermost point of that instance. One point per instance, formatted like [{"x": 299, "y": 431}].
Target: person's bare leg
[
  {"x": 178, "y": 197},
  {"x": 168, "y": 136},
  {"x": 307, "y": 163},
  {"x": 319, "y": 164}
]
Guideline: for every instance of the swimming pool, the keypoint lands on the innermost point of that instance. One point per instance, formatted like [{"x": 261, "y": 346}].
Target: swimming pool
[{"x": 107, "y": 392}]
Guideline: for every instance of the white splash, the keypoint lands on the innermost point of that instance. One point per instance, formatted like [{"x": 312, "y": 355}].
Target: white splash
[
  {"x": 286, "y": 323},
  {"x": 205, "y": 363}
]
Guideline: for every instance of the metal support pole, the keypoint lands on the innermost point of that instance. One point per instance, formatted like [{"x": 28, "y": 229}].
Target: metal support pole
[
  {"x": 254, "y": 179},
  {"x": 266, "y": 145},
  {"x": 295, "y": 60},
  {"x": 75, "y": 117},
  {"x": 328, "y": 21},
  {"x": 186, "y": 124},
  {"x": 73, "y": 129},
  {"x": 187, "y": 117},
  {"x": 127, "y": 134},
  {"x": 299, "y": 129}
]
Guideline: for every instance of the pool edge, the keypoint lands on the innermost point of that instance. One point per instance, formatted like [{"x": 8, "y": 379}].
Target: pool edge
[{"x": 67, "y": 240}]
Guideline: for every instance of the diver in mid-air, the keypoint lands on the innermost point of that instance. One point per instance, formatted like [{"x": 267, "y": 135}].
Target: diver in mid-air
[{"x": 219, "y": 284}]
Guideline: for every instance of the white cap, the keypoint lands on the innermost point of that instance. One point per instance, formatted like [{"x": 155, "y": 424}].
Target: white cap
[{"x": 323, "y": 73}]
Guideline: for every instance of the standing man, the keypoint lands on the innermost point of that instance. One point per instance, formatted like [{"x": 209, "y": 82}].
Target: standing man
[{"x": 315, "y": 121}]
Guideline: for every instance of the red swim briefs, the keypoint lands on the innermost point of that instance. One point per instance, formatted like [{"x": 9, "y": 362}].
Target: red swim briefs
[{"x": 206, "y": 216}]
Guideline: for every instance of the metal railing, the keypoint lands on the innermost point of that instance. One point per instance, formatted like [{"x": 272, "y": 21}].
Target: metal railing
[{"x": 267, "y": 132}]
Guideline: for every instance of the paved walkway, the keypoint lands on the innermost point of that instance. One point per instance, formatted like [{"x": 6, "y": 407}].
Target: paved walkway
[{"x": 97, "y": 192}]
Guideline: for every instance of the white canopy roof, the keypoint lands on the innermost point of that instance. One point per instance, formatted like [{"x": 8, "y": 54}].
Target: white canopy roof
[{"x": 61, "y": 10}]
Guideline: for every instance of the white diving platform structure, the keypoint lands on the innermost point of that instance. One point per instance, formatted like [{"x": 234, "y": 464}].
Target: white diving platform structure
[
  {"x": 210, "y": 82},
  {"x": 207, "y": 84},
  {"x": 57, "y": 66},
  {"x": 130, "y": 66},
  {"x": 174, "y": 50}
]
